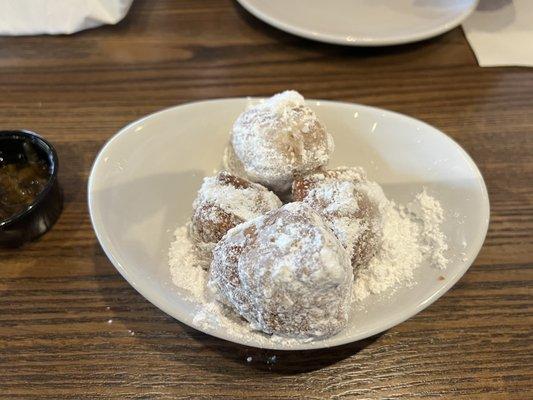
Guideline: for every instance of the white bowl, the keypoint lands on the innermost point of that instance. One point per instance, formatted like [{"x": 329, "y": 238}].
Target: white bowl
[
  {"x": 145, "y": 178},
  {"x": 362, "y": 22}
]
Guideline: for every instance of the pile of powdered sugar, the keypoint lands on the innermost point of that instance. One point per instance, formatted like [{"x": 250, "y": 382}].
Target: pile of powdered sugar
[
  {"x": 411, "y": 236},
  {"x": 187, "y": 265},
  {"x": 429, "y": 215},
  {"x": 399, "y": 256}
]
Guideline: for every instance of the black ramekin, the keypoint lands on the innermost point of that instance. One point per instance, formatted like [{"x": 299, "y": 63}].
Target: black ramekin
[{"x": 39, "y": 216}]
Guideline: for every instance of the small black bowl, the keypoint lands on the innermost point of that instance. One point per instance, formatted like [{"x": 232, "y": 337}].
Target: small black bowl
[{"x": 39, "y": 216}]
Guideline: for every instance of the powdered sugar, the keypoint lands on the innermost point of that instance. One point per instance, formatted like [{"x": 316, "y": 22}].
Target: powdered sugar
[
  {"x": 399, "y": 256},
  {"x": 224, "y": 201},
  {"x": 187, "y": 266},
  {"x": 340, "y": 212},
  {"x": 245, "y": 203},
  {"x": 214, "y": 315},
  {"x": 283, "y": 101},
  {"x": 411, "y": 235},
  {"x": 350, "y": 203},
  {"x": 429, "y": 213}
]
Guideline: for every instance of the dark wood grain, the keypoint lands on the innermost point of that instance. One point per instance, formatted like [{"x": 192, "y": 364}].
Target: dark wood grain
[{"x": 58, "y": 294}]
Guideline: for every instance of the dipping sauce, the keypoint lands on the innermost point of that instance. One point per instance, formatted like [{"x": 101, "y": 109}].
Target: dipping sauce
[{"x": 20, "y": 183}]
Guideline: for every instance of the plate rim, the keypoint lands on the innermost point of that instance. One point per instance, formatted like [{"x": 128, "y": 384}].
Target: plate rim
[
  {"x": 450, "y": 282},
  {"x": 356, "y": 42}
]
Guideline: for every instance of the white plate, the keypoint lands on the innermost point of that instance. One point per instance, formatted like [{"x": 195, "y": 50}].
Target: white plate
[
  {"x": 362, "y": 22},
  {"x": 145, "y": 178}
]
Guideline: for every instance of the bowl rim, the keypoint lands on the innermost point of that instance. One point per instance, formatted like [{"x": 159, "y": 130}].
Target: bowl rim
[{"x": 38, "y": 140}]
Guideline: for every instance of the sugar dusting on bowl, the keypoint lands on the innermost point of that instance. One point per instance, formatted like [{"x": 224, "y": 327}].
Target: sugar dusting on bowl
[{"x": 411, "y": 235}]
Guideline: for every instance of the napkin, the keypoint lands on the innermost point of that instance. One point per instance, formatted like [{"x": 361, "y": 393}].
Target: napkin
[
  {"x": 34, "y": 17},
  {"x": 500, "y": 33}
]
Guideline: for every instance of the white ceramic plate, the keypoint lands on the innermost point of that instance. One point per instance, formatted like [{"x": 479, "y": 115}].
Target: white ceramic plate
[
  {"x": 362, "y": 22},
  {"x": 145, "y": 178}
]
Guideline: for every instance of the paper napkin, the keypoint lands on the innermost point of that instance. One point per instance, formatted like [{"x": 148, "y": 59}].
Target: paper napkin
[{"x": 34, "y": 17}]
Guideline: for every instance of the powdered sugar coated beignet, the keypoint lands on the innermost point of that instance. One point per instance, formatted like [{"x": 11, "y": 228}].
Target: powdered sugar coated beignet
[
  {"x": 277, "y": 139},
  {"x": 285, "y": 272},
  {"x": 223, "y": 202},
  {"x": 351, "y": 205}
]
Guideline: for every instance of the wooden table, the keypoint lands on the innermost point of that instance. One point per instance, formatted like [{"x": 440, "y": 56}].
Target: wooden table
[{"x": 57, "y": 295}]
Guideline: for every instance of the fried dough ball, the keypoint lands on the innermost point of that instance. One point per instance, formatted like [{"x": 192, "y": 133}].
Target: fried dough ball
[
  {"x": 223, "y": 202},
  {"x": 351, "y": 205},
  {"x": 276, "y": 140},
  {"x": 286, "y": 273}
]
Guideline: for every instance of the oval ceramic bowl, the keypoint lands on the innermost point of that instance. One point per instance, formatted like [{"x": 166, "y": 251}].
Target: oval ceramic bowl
[
  {"x": 362, "y": 22},
  {"x": 145, "y": 178}
]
